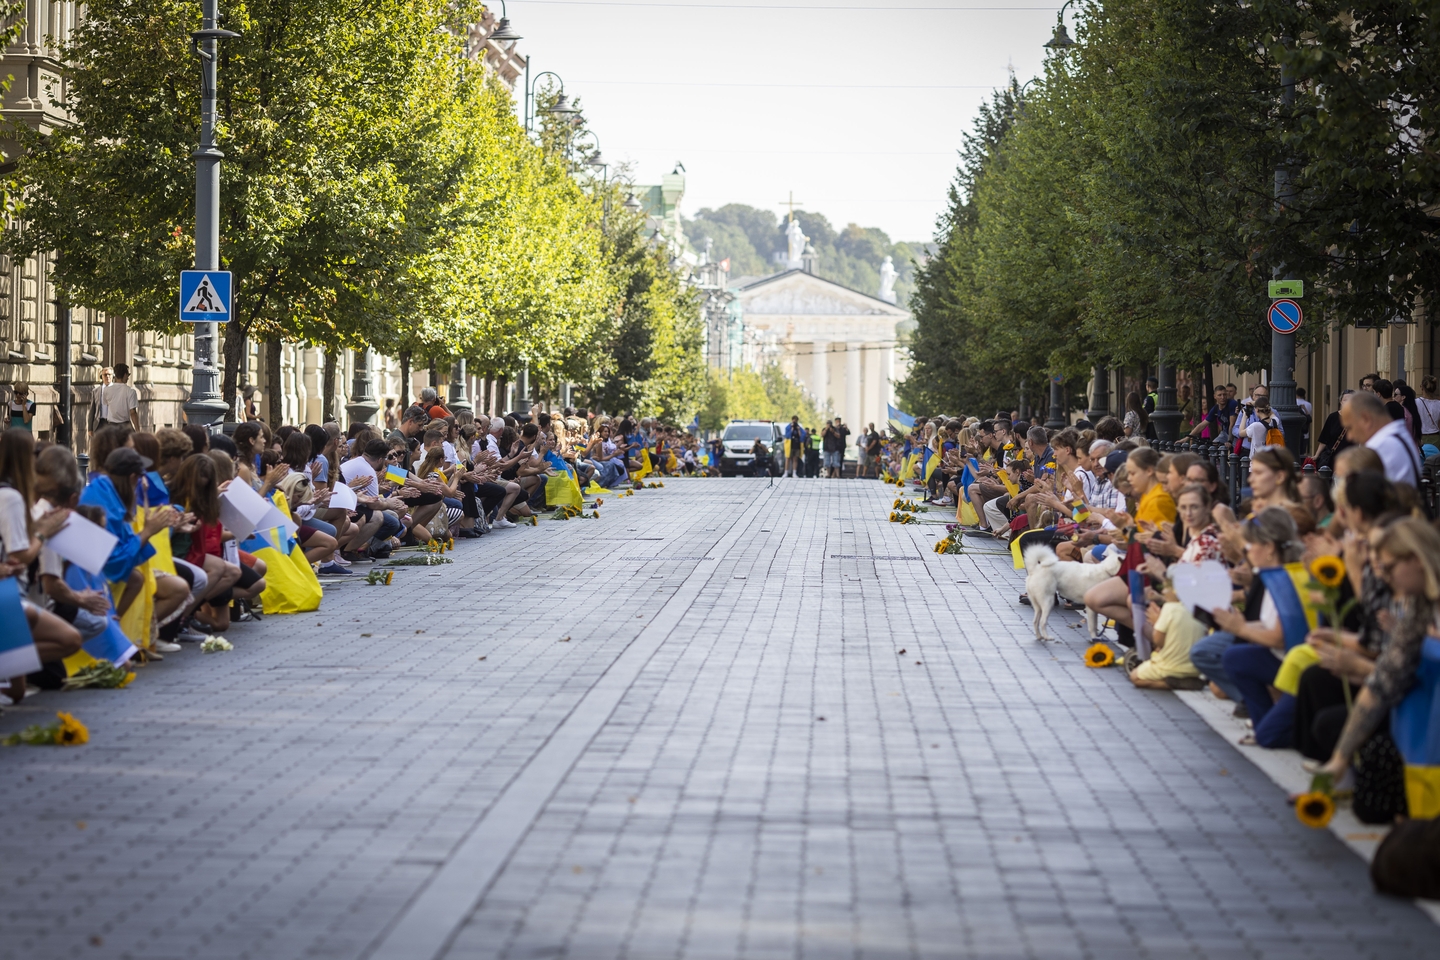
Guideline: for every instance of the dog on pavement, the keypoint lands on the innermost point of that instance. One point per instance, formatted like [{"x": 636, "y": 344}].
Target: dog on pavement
[{"x": 1046, "y": 575}]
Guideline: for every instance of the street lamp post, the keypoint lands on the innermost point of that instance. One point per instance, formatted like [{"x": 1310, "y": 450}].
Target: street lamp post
[
  {"x": 1166, "y": 415},
  {"x": 457, "y": 400},
  {"x": 1282, "y": 345},
  {"x": 1100, "y": 402},
  {"x": 562, "y": 102},
  {"x": 205, "y": 405},
  {"x": 1057, "y": 419},
  {"x": 362, "y": 406}
]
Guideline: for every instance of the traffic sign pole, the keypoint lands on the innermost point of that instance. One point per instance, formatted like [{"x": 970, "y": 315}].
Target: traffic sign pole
[{"x": 205, "y": 405}]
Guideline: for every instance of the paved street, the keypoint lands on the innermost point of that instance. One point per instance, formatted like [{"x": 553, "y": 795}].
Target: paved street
[{"x": 722, "y": 721}]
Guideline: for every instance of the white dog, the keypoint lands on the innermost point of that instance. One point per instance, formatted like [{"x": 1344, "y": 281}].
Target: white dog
[{"x": 1046, "y": 574}]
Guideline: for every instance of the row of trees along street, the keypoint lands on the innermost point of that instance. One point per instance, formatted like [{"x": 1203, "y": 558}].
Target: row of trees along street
[
  {"x": 1124, "y": 200},
  {"x": 378, "y": 191}
]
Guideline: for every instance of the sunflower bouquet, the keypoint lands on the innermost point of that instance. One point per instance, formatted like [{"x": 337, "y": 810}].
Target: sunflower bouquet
[
  {"x": 949, "y": 544},
  {"x": 102, "y": 675},
  {"x": 68, "y": 732},
  {"x": 898, "y": 517},
  {"x": 380, "y": 577},
  {"x": 566, "y": 512},
  {"x": 909, "y": 506}
]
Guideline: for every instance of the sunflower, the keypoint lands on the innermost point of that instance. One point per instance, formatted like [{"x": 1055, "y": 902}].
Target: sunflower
[
  {"x": 1099, "y": 655},
  {"x": 71, "y": 732},
  {"x": 1329, "y": 570},
  {"x": 1314, "y": 809},
  {"x": 129, "y": 678},
  {"x": 389, "y": 576}
]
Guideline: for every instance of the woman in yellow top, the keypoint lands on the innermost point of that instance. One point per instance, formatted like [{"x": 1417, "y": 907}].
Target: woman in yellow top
[{"x": 1155, "y": 505}]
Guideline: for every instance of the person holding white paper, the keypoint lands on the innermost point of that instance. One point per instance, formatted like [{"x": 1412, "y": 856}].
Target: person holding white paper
[{"x": 1174, "y": 628}]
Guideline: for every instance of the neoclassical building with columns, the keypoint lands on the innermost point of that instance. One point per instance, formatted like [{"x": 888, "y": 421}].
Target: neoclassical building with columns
[{"x": 839, "y": 344}]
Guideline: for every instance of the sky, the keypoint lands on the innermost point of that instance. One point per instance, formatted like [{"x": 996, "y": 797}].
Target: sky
[{"x": 856, "y": 109}]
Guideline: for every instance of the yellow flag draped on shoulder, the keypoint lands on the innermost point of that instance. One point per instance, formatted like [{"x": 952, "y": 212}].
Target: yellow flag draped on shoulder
[{"x": 563, "y": 490}]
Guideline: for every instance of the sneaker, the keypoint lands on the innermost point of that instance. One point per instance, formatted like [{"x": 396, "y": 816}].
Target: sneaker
[
  {"x": 165, "y": 646},
  {"x": 502, "y": 524},
  {"x": 189, "y": 634},
  {"x": 332, "y": 570},
  {"x": 339, "y": 559}
]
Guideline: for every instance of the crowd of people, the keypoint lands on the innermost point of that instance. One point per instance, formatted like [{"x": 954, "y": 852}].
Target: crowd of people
[
  {"x": 184, "y": 569},
  {"x": 1333, "y": 581}
]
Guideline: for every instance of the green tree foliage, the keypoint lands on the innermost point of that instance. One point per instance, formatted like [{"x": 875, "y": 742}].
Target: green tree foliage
[
  {"x": 1116, "y": 208},
  {"x": 1362, "y": 227},
  {"x": 745, "y": 394},
  {"x": 652, "y": 349},
  {"x": 1126, "y": 203},
  {"x": 377, "y": 190}
]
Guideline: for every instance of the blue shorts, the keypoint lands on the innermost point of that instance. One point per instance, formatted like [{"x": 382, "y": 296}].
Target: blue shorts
[{"x": 834, "y": 459}]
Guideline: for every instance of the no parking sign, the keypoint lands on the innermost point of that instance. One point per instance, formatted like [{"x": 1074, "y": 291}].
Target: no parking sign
[{"x": 1285, "y": 316}]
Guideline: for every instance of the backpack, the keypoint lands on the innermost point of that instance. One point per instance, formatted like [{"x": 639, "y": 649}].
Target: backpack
[{"x": 1274, "y": 436}]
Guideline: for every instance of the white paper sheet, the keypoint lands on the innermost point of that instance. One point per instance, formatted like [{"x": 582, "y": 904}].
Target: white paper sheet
[
  {"x": 1205, "y": 585},
  {"x": 83, "y": 543},
  {"x": 343, "y": 498},
  {"x": 242, "y": 510}
]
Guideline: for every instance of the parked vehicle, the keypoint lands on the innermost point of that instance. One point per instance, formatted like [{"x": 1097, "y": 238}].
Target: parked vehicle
[{"x": 737, "y": 457}]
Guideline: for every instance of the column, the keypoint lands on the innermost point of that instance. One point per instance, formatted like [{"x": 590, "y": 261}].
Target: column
[
  {"x": 872, "y": 402},
  {"x": 887, "y": 380},
  {"x": 853, "y": 384},
  {"x": 820, "y": 375}
]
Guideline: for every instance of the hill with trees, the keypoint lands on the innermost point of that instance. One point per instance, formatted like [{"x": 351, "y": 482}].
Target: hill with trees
[{"x": 750, "y": 238}]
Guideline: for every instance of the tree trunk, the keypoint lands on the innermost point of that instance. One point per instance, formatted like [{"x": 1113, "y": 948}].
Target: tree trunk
[
  {"x": 404, "y": 401},
  {"x": 500, "y": 384},
  {"x": 328, "y": 403},
  {"x": 235, "y": 355},
  {"x": 274, "y": 391}
]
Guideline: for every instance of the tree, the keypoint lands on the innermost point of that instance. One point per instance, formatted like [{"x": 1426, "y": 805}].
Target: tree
[{"x": 1359, "y": 144}]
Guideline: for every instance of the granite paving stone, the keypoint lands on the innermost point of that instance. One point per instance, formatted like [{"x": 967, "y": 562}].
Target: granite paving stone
[{"x": 359, "y": 783}]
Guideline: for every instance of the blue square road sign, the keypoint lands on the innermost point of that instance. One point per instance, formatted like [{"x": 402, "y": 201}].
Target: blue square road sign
[{"x": 205, "y": 296}]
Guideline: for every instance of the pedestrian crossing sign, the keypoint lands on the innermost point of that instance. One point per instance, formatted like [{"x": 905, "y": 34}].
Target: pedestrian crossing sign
[{"x": 205, "y": 296}]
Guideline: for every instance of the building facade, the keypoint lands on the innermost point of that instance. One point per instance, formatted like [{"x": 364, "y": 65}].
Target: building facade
[{"x": 837, "y": 343}]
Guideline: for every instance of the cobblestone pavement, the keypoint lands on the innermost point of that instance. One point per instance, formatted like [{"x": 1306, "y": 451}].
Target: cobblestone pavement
[{"x": 724, "y": 720}]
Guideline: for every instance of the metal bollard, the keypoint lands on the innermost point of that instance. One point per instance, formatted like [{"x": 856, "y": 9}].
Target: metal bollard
[{"x": 1244, "y": 476}]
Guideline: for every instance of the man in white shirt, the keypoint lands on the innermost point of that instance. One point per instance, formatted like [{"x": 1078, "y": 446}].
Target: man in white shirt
[
  {"x": 121, "y": 401},
  {"x": 1367, "y": 421}
]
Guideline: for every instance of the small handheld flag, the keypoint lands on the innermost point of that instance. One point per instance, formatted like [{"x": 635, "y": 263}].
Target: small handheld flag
[
  {"x": 396, "y": 474},
  {"x": 1080, "y": 513}
]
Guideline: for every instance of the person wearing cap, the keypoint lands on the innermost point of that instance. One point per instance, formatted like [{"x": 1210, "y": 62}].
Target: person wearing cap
[{"x": 113, "y": 490}]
